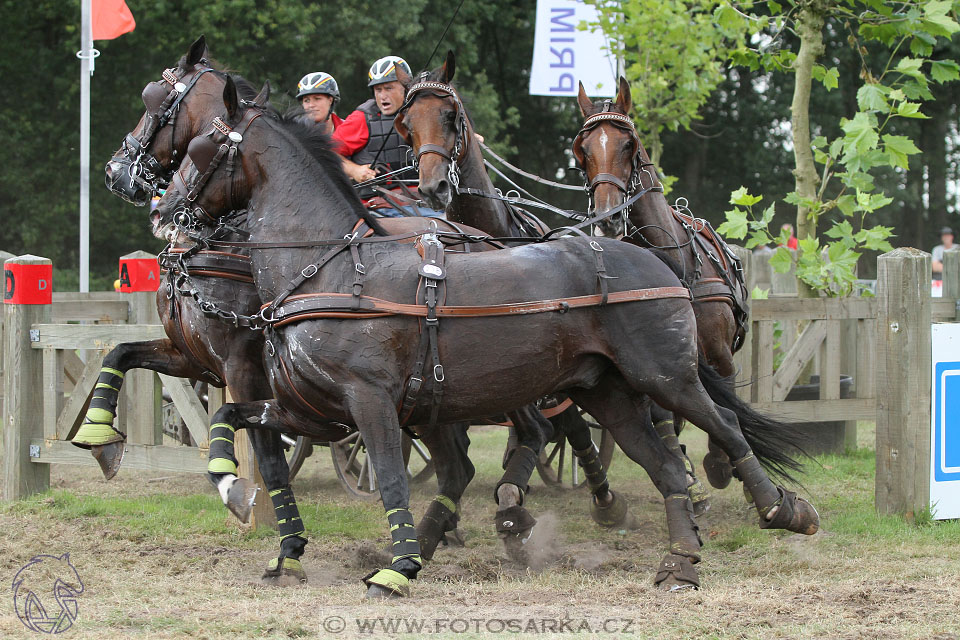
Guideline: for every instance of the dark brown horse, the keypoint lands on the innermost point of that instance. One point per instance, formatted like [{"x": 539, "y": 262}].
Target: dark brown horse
[
  {"x": 178, "y": 108},
  {"x": 616, "y": 166},
  {"x": 434, "y": 121},
  {"x": 499, "y": 330}
]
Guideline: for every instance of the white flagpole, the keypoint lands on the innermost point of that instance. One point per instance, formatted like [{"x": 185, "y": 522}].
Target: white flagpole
[{"x": 86, "y": 70}]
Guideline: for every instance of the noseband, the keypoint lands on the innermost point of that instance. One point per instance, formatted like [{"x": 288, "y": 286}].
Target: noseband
[
  {"x": 456, "y": 156},
  {"x": 161, "y": 110}
]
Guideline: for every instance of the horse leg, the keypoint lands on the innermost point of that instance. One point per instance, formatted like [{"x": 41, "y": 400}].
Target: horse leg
[
  {"x": 448, "y": 445},
  {"x": 692, "y": 397},
  {"x": 97, "y": 432},
  {"x": 285, "y": 569},
  {"x": 607, "y": 508},
  {"x": 513, "y": 522},
  {"x": 668, "y": 427},
  {"x": 376, "y": 418},
  {"x": 627, "y": 417},
  {"x": 715, "y": 334}
]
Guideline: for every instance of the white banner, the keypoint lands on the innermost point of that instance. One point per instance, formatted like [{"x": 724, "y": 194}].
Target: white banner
[
  {"x": 563, "y": 55},
  {"x": 945, "y": 430}
]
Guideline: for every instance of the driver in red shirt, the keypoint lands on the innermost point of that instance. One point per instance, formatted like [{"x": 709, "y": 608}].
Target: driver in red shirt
[{"x": 368, "y": 139}]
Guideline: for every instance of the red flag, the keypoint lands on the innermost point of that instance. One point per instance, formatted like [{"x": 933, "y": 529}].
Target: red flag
[{"x": 110, "y": 19}]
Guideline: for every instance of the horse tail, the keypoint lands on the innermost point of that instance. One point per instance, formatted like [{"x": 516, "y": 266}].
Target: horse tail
[{"x": 776, "y": 444}]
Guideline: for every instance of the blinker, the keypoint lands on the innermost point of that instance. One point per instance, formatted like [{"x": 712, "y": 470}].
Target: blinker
[
  {"x": 153, "y": 96},
  {"x": 202, "y": 150}
]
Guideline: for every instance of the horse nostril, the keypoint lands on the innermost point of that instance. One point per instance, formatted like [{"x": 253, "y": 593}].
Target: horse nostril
[{"x": 443, "y": 191}]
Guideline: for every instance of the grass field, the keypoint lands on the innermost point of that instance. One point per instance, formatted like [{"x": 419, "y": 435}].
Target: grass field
[{"x": 161, "y": 558}]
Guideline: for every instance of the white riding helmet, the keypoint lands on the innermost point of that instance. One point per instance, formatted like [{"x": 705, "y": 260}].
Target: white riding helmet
[
  {"x": 385, "y": 70},
  {"x": 319, "y": 82}
]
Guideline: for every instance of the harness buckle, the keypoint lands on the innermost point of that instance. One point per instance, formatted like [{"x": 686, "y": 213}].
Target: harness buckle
[
  {"x": 307, "y": 273},
  {"x": 596, "y": 246},
  {"x": 438, "y": 373},
  {"x": 362, "y": 270},
  {"x": 430, "y": 282}
]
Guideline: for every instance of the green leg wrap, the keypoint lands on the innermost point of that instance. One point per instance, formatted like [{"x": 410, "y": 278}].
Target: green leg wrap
[
  {"x": 284, "y": 571},
  {"x": 222, "y": 459},
  {"x": 391, "y": 580},
  {"x": 97, "y": 428},
  {"x": 404, "y": 536}
]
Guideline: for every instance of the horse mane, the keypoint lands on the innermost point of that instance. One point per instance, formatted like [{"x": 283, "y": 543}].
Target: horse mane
[{"x": 319, "y": 146}]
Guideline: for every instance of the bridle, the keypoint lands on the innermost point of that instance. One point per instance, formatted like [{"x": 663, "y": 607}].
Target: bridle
[
  {"x": 455, "y": 156},
  {"x": 208, "y": 152},
  {"x": 162, "y": 100},
  {"x": 638, "y": 168}
]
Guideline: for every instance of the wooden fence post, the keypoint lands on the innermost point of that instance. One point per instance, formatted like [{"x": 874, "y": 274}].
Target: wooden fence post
[
  {"x": 951, "y": 273},
  {"x": 142, "y": 387},
  {"x": 23, "y": 393},
  {"x": 903, "y": 382},
  {"x": 743, "y": 359}
]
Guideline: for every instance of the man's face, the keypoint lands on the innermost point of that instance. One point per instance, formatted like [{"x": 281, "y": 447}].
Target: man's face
[
  {"x": 946, "y": 239},
  {"x": 317, "y": 106},
  {"x": 389, "y": 97}
]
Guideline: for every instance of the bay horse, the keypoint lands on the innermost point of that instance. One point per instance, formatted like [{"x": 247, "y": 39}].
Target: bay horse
[
  {"x": 616, "y": 165},
  {"x": 434, "y": 121},
  {"x": 178, "y": 107},
  {"x": 518, "y": 324}
]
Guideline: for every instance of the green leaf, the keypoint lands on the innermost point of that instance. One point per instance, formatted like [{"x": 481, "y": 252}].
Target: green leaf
[
  {"x": 735, "y": 226},
  {"x": 847, "y": 203},
  {"x": 760, "y": 294},
  {"x": 782, "y": 260},
  {"x": 871, "y": 97},
  {"x": 899, "y": 148},
  {"x": 840, "y": 230},
  {"x": 910, "y": 110},
  {"x": 861, "y": 135},
  {"x": 944, "y": 70},
  {"x": 742, "y": 198}
]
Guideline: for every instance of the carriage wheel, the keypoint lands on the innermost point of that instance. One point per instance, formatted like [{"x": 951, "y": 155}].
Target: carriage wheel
[
  {"x": 558, "y": 466},
  {"x": 356, "y": 474},
  {"x": 297, "y": 453}
]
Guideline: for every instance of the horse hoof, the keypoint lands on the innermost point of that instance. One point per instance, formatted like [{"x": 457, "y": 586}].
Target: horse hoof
[
  {"x": 455, "y": 538},
  {"x": 514, "y": 526},
  {"x": 386, "y": 583},
  {"x": 792, "y": 513},
  {"x": 241, "y": 497},
  {"x": 284, "y": 572},
  {"x": 613, "y": 515},
  {"x": 676, "y": 573},
  {"x": 109, "y": 457},
  {"x": 719, "y": 471},
  {"x": 376, "y": 592}
]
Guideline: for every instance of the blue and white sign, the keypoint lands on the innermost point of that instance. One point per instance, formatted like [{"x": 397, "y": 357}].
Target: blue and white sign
[
  {"x": 563, "y": 55},
  {"x": 945, "y": 431}
]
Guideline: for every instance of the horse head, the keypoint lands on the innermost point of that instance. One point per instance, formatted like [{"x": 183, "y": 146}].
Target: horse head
[
  {"x": 433, "y": 121},
  {"x": 607, "y": 149},
  {"x": 215, "y": 177}
]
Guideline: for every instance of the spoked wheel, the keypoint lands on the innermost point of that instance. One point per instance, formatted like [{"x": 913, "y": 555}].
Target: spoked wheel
[
  {"x": 356, "y": 473},
  {"x": 297, "y": 452},
  {"x": 558, "y": 466}
]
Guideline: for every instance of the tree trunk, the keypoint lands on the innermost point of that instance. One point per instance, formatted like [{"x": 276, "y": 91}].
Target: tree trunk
[{"x": 810, "y": 30}]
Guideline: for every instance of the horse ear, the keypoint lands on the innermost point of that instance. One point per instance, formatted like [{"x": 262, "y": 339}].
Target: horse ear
[
  {"x": 263, "y": 96},
  {"x": 403, "y": 77},
  {"x": 624, "y": 99},
  {"x": 449, "y": 66},
  {"x": 586, "y": 104},
  {"x": 198, "y": 51},
  {"x": 230, "y": 98}
]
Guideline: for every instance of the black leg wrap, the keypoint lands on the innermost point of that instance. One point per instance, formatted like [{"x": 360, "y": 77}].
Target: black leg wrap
[
  {"x": 438, "y": 520},
  {"x": 682, "y": 528},
  {"x": 289, "y": 524},
  {"x": 406, "y": 549},
  {"x": 519, "y": 469},
  {"x": 589, "y": 460},
  {"x": 755, "y": 481}
]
